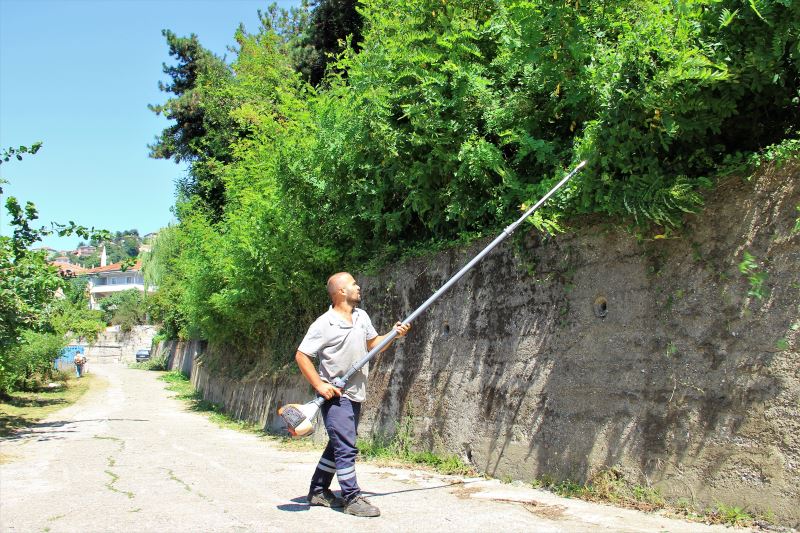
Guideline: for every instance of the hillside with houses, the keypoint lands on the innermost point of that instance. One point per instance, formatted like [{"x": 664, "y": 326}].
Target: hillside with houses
[
  {"x": 109, "y": 267},
  {"x": 121, "y": 246}
]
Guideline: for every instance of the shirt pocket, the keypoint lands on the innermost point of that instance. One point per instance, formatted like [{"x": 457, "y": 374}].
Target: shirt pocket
[{"x": 362, "y": 333}]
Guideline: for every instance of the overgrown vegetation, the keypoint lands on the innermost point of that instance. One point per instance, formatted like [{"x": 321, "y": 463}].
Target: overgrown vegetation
[
  {"x": 433, "y": 126},
  {"x": 179, "y": 383},
  {"x": 403, "y": 447},
  {"x": 608, "y": 485},
  {"x": 376, "y": 449},
  {"x": 750, "y": 268},
  {"x": 400, "y": 447},
  {"x": 720, "y": 513},
  {"x": 125, "y": 309},
  {"x": 154, "y": 363},
  {"x": 28, "y": 362}
]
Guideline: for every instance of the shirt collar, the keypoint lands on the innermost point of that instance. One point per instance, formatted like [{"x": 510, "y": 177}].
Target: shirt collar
[{"x": 335, "y": 319}]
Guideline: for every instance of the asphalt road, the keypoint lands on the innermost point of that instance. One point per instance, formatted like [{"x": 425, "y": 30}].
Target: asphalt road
[{"x": 129, "y": 458}]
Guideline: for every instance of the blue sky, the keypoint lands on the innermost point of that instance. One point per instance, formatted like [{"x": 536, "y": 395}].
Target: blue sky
[{"x": 78, "y": 75}]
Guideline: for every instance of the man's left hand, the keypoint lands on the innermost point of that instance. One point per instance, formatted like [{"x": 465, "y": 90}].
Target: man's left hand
[{"x": 402, "y": 329}]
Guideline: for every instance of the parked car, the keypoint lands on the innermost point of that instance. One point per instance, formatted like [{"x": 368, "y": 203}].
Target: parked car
[{"x": 142, "y": 355}]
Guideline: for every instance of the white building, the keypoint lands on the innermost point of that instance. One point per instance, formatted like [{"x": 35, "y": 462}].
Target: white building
[{"x": 106, "y": 280}]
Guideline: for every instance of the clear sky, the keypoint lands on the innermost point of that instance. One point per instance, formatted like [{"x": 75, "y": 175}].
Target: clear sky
[{"x": 78, "y": 75}]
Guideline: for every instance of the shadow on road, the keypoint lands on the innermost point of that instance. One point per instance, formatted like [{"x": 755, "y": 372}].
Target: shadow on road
[
  {"x": 53, "y": 430},
  {"x": 301, "y": 505},
  {"x": 379, "y": 494}
]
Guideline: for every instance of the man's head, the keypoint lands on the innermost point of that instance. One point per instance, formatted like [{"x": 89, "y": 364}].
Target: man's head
[{"x": 342, "y": 287}]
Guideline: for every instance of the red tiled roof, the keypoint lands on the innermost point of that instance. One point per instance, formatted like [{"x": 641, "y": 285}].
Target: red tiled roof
[
  {"x": 76, "y": 270},
  {"x": 115, "y": 267}
]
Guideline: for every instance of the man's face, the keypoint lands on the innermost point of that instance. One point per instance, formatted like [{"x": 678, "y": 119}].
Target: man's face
[{"x": 352, "y": 292}]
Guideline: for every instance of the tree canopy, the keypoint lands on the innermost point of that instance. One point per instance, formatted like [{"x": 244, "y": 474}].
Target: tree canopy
[{"x": 436, "y": 122}]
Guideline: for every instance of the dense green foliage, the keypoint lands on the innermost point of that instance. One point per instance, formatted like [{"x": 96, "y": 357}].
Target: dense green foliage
[
  {"x": 161, "y": 269},
  {"x": 125, "y": 309},
  {"x": 332, "y": 25},
  {"x": 447, "y": 117},
  {"x": 55, "y": 319},
  {"x": 34, "y": 322},
  {"x": 33, "y": 356}
]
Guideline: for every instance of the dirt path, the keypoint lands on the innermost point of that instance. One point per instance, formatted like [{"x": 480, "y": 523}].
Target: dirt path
[{"x": 128, "y": 457}]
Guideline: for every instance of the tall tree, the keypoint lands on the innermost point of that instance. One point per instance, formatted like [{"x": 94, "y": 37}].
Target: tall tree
[
  {"x": 332, "y": 23},
  {"x": 196, "y": 137}
]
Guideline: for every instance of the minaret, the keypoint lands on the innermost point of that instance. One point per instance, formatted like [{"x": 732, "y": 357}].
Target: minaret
[{"x": 103, "y": 256}]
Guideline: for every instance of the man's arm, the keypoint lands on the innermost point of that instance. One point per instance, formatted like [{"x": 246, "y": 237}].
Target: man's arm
[
  {"x": 401, "y": 329},
  {"x": 326, "y": 390}
]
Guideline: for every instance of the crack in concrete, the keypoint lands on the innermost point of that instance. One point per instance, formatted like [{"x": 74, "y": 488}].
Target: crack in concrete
[
  {"x": 111, "y": 462},
  {"x": 110, "y": 485},
  {"x": 185, "y": 485},
  {"x": 114, "y": 439}
]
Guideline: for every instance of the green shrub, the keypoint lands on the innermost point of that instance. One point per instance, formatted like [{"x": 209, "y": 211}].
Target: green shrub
[
  {"x": 154, "y": 363},
  {"x": 30, "y": 361},
  {"x": 750, "y": 268},
  {"x": 125, "y": 309}
]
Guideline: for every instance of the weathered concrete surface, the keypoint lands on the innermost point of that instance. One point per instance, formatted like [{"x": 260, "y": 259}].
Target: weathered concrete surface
[
  {"x": 128, "y": 458},
  {"x": 113, "y": 345},
  {"x": 594, "y": 350},
  {"x": 180, "y": 355}
]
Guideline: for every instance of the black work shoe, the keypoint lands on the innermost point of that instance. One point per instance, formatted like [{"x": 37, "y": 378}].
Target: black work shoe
[
  {"x": 360, "y": 506},
  {"x": 326, "y": 498}
]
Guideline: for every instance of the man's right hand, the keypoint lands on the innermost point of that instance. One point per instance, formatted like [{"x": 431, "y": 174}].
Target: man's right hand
[{"x": 328, "y": 391}]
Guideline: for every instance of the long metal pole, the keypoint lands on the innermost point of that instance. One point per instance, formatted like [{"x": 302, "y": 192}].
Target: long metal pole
[{"x": 341, "y": 382}]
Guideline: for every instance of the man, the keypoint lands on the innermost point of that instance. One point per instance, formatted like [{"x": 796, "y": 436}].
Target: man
[
  {"x": 80, "y": 361},
  {"x": 340, "y": 338}
]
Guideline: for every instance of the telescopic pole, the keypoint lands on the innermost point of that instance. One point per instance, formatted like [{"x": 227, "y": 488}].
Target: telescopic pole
[{"x": 342, "y": 381}]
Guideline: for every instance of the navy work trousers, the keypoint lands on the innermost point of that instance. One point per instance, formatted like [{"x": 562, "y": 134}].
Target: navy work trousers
[{"x": 341, "y": 421}]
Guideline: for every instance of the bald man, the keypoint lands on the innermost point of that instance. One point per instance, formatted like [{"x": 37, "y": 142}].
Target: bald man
[{"x": 338, "y": 339}]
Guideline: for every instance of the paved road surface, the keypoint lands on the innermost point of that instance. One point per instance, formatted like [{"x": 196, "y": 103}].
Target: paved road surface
[{"x": 129, "y": 458}]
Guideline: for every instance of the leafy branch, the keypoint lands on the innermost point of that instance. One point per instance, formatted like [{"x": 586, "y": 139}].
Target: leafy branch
[{"x": 750, "y": 268}]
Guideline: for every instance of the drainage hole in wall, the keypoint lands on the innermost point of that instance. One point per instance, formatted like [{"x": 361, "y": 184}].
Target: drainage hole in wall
[{"x": 600, "y": 307}]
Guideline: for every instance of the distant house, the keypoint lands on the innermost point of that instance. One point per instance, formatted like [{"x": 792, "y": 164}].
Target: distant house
[
  {"x": 83, "y": 251},
  {"x": 62, "y": 259},
  {"x": 49, "y": 253},
  {"x": 68, "y": 270},
  {"x": 106, "y": 280}
]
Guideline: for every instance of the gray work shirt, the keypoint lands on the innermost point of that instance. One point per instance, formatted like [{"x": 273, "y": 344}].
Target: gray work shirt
[{"x": 339, "y": 345}]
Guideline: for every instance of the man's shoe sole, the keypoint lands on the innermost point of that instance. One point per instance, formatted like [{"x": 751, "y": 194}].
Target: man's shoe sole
[
  {"x": 321, "y": 502},
  {"x": 362, "y": 515}
]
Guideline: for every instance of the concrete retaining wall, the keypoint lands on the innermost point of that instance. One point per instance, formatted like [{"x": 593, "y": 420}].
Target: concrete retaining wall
[
  {"x": 180, "y": 355},
  {"x": 255, "y": 401}
]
